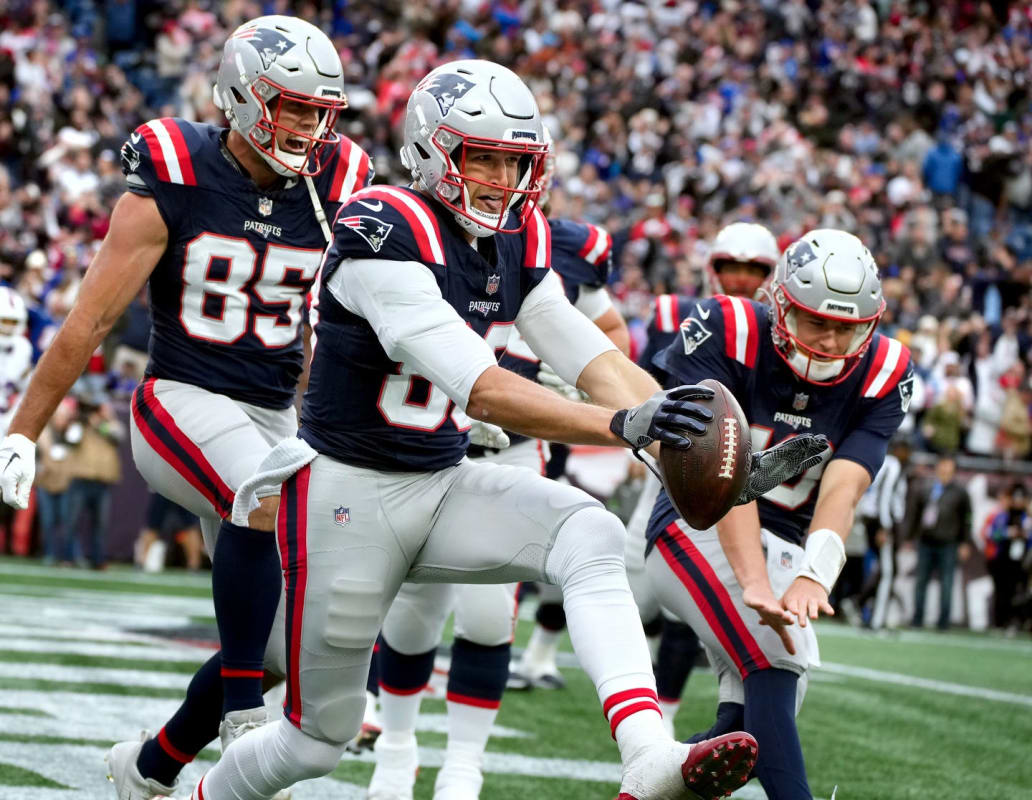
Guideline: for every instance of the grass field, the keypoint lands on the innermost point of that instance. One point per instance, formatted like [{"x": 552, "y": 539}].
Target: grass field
[{"x": 90, "y": 658}]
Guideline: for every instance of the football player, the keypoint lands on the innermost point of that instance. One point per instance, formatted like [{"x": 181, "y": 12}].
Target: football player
[
  {"x": 740, "y": 262},
  {"x": 228, "y": 227},
  {"x": 810, "y": 363},
  {"x": 15, "y": 352},
  {"x": 377, "y": 487},
  {"x": 484, "y": 613}
]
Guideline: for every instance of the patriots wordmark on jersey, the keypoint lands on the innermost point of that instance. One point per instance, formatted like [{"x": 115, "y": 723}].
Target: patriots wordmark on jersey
[
  {"x": 363, "y": 408},
  {"x": 228, "y": 294},
  {"x": 728, "y": 338}
]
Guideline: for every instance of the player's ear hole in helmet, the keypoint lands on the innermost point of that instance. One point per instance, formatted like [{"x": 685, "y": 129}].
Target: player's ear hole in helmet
[
  {"x": 825, "y": 289},
  {"x": 281, "y": 86},
  {"x": 463, "y": 120}
]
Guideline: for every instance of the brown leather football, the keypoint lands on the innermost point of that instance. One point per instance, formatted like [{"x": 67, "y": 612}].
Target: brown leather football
[{"x": 704, "y": 481}]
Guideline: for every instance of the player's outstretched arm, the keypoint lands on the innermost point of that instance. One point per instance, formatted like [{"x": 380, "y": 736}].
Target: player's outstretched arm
[
  {"x": 842, "y": 486},
  {"x": 133, "y": 245}
]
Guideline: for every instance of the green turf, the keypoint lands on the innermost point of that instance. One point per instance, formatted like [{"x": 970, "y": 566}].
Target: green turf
[{"x": 11, "y": 775}]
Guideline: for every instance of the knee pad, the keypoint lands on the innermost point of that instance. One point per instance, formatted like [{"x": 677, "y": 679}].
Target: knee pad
[
  {"x": 591, "y": 535},
  {"x": 484, "y": 614},
  {"x": 415, "y": 620},
  {"x": 311, "y": 757}
]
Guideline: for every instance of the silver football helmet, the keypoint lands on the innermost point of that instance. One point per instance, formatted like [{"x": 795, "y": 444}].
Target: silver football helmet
[
  {"x": 747, "y": 243},
  {"x": 272, "y": 60},
  {"x": 831, "y": 274},
  {"x": 480, "y": 105},
  {"x": 13, "y": 314}
]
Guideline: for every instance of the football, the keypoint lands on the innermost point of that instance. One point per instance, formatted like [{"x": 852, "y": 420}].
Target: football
[{"x": 704, "y": 480}]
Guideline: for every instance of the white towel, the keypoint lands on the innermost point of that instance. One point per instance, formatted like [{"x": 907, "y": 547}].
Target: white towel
[{"x": 283, "y": 461}]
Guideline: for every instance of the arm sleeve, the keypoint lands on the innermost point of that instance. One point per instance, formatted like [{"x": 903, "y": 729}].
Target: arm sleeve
[
  {"x": 593, "y": 302},
  {"x": 414, "y": 323},
  {"x": 558, "y": 333}
]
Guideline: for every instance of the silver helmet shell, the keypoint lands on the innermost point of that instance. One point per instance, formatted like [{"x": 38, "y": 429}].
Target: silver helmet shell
[
  {"x": 474, "y": 104},
  {"x": 745, "y": 242},
  {"x": 831, "y": 274},
  {"x": 272, "y": 60}
]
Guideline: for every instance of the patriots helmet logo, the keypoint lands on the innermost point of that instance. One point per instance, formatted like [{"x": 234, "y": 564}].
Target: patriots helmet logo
[
  {"x": 447, "y": 89},
  {"x": 269, "y": 43},
  {"x": 799, "y": 255},
  {"x": 373, "y": 230}
]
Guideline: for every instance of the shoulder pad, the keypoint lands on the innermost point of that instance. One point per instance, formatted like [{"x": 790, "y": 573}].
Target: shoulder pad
[
  {"x": 388, "y": 222},
  {"x": 888, "y": 368},
  {"x": 163, "y": 150},
  {"x": 742, "y": 321},
  {"x": 349, "y": 169}
]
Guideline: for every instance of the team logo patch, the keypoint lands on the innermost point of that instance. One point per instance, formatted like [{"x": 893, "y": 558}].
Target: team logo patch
[
  {"x": 800, "y": 401},
  {"x": 374, "y": 231},
  {"x": 906, "y": 393},
  {"x": 693, "y": 334},
  {"x": 342, "y": 515},
  {"x": 786, "y": 559},
  {"x": 448, "y": 89},
  {"x": 493, "y": 282},
  {"x": 269, "y": 43},
  {"x": 130, "y": 157},
  {"x": 264, "y": 206}
]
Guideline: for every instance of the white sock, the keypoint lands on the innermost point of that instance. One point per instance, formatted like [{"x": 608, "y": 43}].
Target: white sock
[
  {"x": 541, "y": 651},
  {"x": 469, "y": 728},
  {"x": 654, "y": 642},
  {"x": 669, "y": 709},
  {"x": 398, "y": 712},
  {"x": 587, "y": 562}
]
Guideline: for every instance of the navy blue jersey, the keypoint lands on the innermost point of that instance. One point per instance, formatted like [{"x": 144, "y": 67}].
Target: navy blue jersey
[
  {"x": 728, "y": 338},
  {"x": 365, "y": 409},
  {"x": 663, "y": 328},
  {"x": 227, "y": 295}
]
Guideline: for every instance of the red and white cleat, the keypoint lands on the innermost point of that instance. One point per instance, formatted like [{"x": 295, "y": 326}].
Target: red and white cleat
[{"x": 708, "y": 770}]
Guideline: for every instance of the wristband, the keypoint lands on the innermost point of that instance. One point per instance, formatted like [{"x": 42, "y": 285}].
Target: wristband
[{"x": 824, "y": 557}]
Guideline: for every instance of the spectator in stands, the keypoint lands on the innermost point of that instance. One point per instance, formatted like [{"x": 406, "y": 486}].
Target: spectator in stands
[
  {"x": 53, "y": 476},
  {"x": 939, "y": 517},
  {"x": 1008, "y": 543}
]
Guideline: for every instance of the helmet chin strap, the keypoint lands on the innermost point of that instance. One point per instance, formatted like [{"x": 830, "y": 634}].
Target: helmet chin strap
[{"x": 813, "y": 369}]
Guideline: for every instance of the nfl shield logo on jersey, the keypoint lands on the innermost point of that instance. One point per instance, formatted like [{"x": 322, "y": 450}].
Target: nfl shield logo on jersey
[
  {"x": 264, "y": 206},
  {"x": 341, "y": 515},
  {"x": 800, "y": 400},
  {"x": 786, "y": 559},
  {"x": 492, "y": 283}
]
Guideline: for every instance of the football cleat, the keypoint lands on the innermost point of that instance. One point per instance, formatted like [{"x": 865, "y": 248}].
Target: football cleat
[
  {"x": 523, "y": 680},
  {"x": 123, "y": 773},
  {"x": 709, "y": 770},
  {"x": 396, "y": 768},
  {"x": 236, "y": 723}
]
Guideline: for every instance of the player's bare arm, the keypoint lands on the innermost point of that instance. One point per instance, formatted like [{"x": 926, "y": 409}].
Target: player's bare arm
[
  {"x": 128, "y": 254},
  {"x": 842, "y": 486},
  {"x": 615, "y": 329}
]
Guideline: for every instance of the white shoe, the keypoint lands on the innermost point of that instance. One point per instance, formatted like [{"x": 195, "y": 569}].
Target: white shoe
[
  {"x": 461, "y": 776},
  {"x": 708, "y": 770},
  {"x": 122, "y": 772},
  {"x": 236, "y": 723},
  {"x": 396, "y": 768}
]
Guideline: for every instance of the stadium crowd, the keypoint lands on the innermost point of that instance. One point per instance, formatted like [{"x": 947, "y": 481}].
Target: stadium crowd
[{"x": 908, "y": 124}]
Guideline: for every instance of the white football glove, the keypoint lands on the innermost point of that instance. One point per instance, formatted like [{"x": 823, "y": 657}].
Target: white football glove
[
  {"x": 17, "y": 469},
  {"x": 487, "y": 435},
  {"x": 548, "y": 378}
]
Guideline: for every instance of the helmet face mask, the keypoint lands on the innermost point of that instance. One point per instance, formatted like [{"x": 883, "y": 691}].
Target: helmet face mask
[
  {"x": 466, "y": 107},
  {"x": 275, "y": 71},
  {"x": 830, "y": 275}
]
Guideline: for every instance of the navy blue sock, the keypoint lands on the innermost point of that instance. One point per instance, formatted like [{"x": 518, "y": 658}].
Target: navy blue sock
[
  {"x": 478, "y": 673},
  {"x": 678, "y": 648},
  {"x": 195, "y": 723},
  {"x": 770, "y": 701},
  {"x": 551, "y": 616},
  {"x": 402, "y": 674},
  {"x": 730, "y": 718},
  {"x": 372, "y": 684},
  {"x": 245, "y": 586}
]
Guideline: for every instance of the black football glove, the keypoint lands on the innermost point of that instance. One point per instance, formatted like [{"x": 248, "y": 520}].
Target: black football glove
[
  {"x": 664, "y": 416},
  {"x": 782, "y": 462}
]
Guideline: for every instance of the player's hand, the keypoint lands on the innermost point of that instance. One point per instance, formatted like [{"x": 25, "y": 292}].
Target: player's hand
[
  {"x": 17, "y": 469},
  {"x": 487, "y": 435},
  {"x": 548, "y": 378},
  {"x": 806, "y": 599},
  {"x": 772, "y": 613},
  {"x": 782, "y": 462},
  {"x": 664, "y": 416}
]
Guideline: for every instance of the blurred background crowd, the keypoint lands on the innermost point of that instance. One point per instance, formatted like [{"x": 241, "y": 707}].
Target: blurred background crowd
[{"x": 906, "y": 123}]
